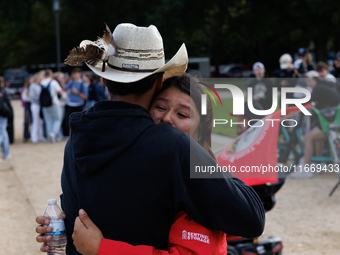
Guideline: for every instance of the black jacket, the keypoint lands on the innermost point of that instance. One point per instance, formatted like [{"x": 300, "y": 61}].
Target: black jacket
[
  {"x": 325, "y": 95},
  {"x": 132, "y": 177},
  {"x": 335, "y": 72},
  {"x": 6, "y": 110}
]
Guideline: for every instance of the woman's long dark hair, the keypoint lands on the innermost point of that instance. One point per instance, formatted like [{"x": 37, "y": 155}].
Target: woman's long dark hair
[{"x": 191, "y": 86}]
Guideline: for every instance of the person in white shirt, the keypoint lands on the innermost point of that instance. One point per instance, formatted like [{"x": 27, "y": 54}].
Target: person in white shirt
[
  {"x": 61, "y": 78},
  {"x": 37, "y": 131},
  {"x": 322, "y": 69},
  {"x": 52, "y": 114},
  {"x": 300, "y": 64}
]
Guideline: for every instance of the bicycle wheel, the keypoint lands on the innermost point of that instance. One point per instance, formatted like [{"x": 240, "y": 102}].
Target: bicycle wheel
[
  {"x": 232, "y": 251},
  {"x": 287, "y": 156}
]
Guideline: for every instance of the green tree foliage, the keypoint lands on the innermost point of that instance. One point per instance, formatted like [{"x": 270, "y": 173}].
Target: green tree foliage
[{"x": 225, "y": 30}]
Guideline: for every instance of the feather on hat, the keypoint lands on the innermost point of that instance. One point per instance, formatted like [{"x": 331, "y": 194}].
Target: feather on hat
[{"x": 92, "y": 53}]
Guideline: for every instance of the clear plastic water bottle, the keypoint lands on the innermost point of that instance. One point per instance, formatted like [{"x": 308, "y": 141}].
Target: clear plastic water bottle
[{"x": 58, "y": 243}]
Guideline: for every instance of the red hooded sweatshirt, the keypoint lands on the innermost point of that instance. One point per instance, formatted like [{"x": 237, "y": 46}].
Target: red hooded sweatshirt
[{"x": 186, "y": 237}]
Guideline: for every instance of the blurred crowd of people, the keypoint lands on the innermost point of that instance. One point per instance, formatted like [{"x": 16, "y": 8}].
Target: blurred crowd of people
[
  {"x": 321, "y": 80},
  {"x": 293, "y": 73},
  {"x": 50, "y": 98}
]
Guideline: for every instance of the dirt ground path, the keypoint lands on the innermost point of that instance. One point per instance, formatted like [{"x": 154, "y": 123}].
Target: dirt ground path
[
  {"x": 305, "y": 218},
  {"x": 27, "y": 181}
]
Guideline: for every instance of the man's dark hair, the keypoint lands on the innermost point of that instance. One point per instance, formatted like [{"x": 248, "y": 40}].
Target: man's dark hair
[
  {"x": 48, "y": 73},
  {"x": 321, "y": 66},
  {"x": 76, "y": 70},
  {"x": 137, "y": 88}
]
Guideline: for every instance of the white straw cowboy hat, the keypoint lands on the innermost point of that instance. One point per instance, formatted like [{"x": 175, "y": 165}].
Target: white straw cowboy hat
[{"x": 128, "y": 54}]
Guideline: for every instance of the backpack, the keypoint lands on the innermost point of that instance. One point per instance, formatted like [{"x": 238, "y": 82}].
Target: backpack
[
  {"x": 5, "y": 110},
  {"x": 45, "y": 98}
]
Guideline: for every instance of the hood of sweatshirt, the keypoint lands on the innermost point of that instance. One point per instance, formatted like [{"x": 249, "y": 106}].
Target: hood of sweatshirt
[{"x": 104, "y": 132}]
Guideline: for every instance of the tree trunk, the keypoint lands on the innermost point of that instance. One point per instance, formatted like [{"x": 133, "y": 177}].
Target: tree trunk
[{"x": 321, "y": 49}]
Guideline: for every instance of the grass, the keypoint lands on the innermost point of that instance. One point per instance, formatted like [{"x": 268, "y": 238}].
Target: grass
[{"x": 223, "y": 112}]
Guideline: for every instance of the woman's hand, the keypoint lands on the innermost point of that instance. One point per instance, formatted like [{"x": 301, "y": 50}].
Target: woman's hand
[
  {"x": 86, "y": 235},
  {"x": 42, "y": 230}
]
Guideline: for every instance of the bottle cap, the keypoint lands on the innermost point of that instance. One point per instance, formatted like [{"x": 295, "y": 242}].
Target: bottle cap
[{"x": 52, "y": 201}]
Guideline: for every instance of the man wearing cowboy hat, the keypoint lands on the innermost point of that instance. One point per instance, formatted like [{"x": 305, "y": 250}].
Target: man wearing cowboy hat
[{"x": 130, "y": 175}]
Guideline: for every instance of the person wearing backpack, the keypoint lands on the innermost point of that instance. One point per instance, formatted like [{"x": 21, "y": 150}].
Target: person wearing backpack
[
  {"x": 49, "y": 102},
  {"x": 78, "y": 92}
]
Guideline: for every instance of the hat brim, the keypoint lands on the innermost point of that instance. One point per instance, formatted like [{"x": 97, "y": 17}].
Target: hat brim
[{"x": 174, "y": 67}]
